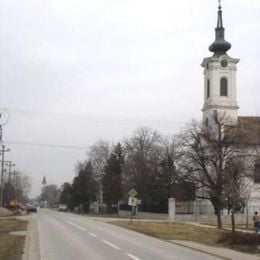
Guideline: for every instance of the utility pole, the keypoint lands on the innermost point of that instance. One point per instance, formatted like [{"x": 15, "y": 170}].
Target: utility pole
[
  {"x": 9, "y": 164},
  {"x": 4, "y": 117},
  {"x": 15, "y": 185},
  {"x": 2, "y": 151},
  {"x": 1, "y": 132}
]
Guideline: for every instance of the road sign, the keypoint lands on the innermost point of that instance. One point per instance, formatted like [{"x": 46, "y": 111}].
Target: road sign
[
  {"x": 132, "y": 201},
  {"x": 13, "y": 202},
  {"x": 132, "y": 193},
  {"x": 138, "y": 202}
]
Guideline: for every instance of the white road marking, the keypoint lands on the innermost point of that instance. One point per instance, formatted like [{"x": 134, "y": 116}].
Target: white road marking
[
  {"x": 92, "y": 234},
  {"x": 132, "y": 256},
  {"x": 75, "y": 225},
  {"x": 110, "y": 244}
]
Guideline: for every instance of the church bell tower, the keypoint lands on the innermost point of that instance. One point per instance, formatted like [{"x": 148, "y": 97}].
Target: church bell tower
[{"x": 220, "y": 95}]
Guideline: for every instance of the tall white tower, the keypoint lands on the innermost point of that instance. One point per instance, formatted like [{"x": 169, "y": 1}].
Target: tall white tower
[{"x": 220, "y": 93}]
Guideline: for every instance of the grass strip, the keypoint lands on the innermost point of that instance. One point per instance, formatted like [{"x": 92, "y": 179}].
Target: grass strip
[
  {"x": 11, "y": 246},
  {"x": 243, "y": 242}
]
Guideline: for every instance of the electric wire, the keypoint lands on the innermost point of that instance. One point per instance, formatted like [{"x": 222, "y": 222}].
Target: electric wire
[
  {"x": 129, "y": 123},
  {"x": 13, "y": 142},
  {"x": 97, "y": 120}
]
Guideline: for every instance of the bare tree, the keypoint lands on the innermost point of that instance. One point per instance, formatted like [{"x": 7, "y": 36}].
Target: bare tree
[
  {"x": 17, "y": 188},
  {"x": 98, "y": 155},
  {"x": 205, "y": 151},
  {"x": 142, "y": 161},
  {"x": 169, "y": 173},
  {"x": 233, "y": 185}
]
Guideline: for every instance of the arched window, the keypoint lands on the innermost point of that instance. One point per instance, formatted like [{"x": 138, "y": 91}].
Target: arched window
[
  {"x": 208, "y": 88},
  {"x": 223, "y": 86},
  {"x": 257, "y": 172}
]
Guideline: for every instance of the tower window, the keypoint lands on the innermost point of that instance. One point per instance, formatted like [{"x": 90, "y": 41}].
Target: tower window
[
  {"x": 208, "y": 88},
  {"x": 223, "y": 87}
]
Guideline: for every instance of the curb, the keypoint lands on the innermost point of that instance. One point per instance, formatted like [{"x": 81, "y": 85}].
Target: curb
[
  {"x": 31, "y": 246},
  {"x": 199, "y": 250}
]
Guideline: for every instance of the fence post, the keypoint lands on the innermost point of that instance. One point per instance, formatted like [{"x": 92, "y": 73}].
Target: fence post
[
  {"x": 196, "y": 210},
  {"x": 171, "y": 209}
]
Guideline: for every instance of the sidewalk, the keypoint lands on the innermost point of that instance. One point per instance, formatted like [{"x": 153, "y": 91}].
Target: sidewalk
[
  {"x": 208, "y": 226},
  {"x": 31, "y": 247},
  {"x": 223, "y": 253}
]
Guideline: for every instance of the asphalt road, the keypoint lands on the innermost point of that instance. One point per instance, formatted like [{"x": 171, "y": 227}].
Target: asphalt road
[{"x": 65, "y": 236}]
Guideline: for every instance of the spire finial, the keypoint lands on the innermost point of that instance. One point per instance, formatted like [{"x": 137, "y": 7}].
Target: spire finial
[
  {"x": 220, "y": 45},
  {"x": 219, "y": 4}
]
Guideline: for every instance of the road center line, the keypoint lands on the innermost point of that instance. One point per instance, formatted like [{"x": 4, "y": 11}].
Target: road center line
[
  {"x": 92, "y": 234},
  {"x": 75, "y": 225},
  {"x": 132, "y": 256},
  {"x": 110, "y": 244}
]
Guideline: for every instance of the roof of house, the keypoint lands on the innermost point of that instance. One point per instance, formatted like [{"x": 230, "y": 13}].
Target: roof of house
[{"x": 249, "y": 129}]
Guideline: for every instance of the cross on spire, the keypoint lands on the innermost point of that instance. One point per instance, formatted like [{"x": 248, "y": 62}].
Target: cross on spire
[{"x": 219, "y": 5}]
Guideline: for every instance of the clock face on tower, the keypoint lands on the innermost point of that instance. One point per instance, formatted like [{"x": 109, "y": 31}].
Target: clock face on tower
[{"x": 223, "y": 63}]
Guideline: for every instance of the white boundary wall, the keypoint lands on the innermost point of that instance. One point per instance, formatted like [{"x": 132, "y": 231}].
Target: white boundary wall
[{"x": 209, "y": 218}]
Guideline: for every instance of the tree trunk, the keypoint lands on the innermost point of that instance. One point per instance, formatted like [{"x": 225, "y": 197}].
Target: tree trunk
[
  {"x": 218, "y": 212},
  {"x": 233, "y": 235},
  {"x": 246, "y": 215},
  {"x": 233, "y": 220},
  {"x": 86, "y": 205}
]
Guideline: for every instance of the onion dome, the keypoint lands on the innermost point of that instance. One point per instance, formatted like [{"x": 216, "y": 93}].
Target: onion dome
[{"x": 220, "y": 45}]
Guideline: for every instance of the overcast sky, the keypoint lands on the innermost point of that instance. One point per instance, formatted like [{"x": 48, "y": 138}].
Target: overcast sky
[{"x": 76, "y": 71}]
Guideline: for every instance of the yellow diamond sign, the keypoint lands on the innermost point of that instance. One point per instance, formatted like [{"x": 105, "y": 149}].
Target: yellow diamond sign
[{"x": 132, "y": 193}]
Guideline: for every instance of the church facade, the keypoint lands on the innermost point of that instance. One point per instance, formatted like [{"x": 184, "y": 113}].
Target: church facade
[{"x": 220, "y": 97}]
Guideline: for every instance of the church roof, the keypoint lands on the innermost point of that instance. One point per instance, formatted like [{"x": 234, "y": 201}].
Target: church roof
[{"x": 249, "y": 129}]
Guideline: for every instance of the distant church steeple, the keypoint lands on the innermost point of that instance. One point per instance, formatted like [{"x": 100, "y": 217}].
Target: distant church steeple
[
  {"x": 220, "y": 90},
  {"x": 44, "y": 182}
]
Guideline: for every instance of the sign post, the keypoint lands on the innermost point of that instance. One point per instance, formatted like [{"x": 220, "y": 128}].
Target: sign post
[{"x": 132, "y": 201}]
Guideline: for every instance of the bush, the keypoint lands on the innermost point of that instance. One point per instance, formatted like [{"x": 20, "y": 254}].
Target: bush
[{"x": 239, "y": 238}]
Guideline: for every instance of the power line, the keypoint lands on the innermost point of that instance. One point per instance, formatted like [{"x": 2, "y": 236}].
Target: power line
[
  {"x": 77, "y": 117},
  {"x": 96, "y": 120},
  {"x": 13, "y": 142}
]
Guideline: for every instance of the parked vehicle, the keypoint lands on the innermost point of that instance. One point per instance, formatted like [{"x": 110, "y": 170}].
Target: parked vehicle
[
  {"x": 62, "y": 207},
  {"x": 31, "y": 208}
]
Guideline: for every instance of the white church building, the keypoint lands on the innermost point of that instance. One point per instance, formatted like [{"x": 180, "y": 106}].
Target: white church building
[{"x": 220, "y": 95}]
